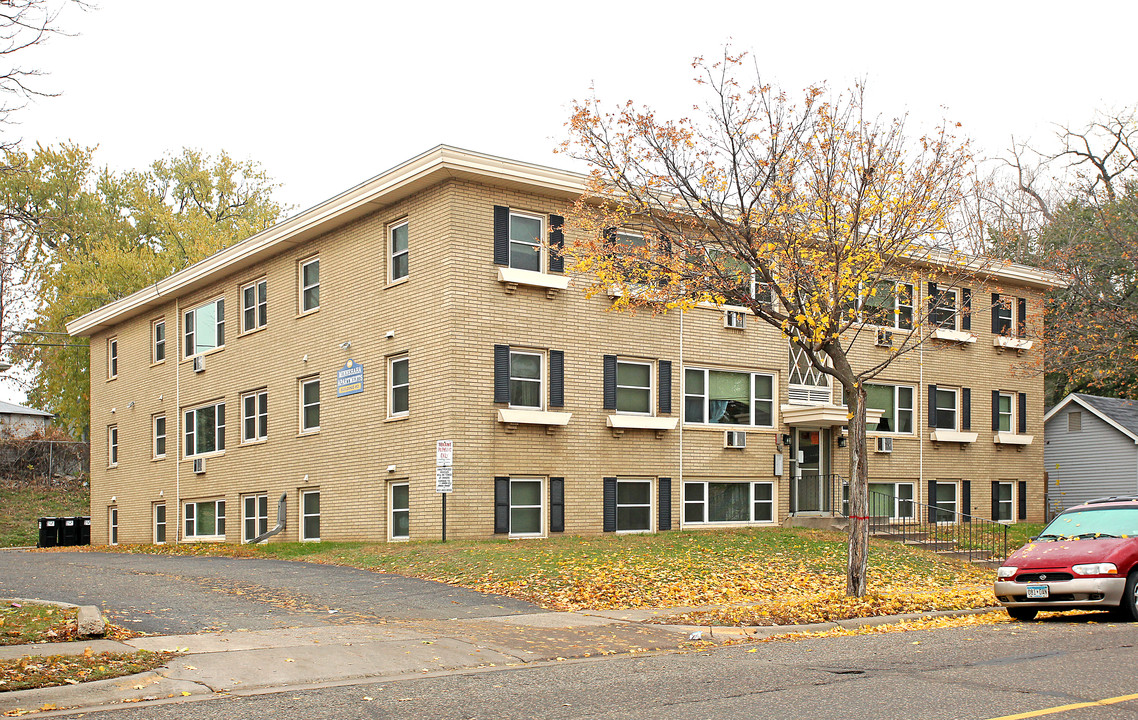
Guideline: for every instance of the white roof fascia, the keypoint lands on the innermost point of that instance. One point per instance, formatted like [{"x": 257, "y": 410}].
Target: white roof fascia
[
  {"x": 445, "y": 160},
  {"x": 1097, "y": 413}
]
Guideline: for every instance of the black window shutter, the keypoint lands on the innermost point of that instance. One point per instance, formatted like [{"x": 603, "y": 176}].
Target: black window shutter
[
  {"x": 995, "y": 313},
  {"x": 665, "y": 504},
  {"x": 996, "y": 410},
  {"x": 610, "y": 505},
  {"x": 1022, "y": 419},
  {"x": 556, "y": 378},
  {"x": 995, "y": 500},
  {"x": 556, "y": 243},
  {"x": 966, "y": 500},
  {"x": 966, "y": 309},
  {"x": 501, "y": 373},
  {"x": 932, "y": 501},
  {"x": 501, "y": 235},
  {"x": 1022, "y": 501},
  {"x": 501, "y": 505},
  {"x": 609, "y": 385},
  {"x": 965, "y": 409},
  {"x": 932, "y": 407},
  {"x": 1021, "y": 311},
  {"x": 556, "y": 504},
  {"x": 664, "y": 379}
]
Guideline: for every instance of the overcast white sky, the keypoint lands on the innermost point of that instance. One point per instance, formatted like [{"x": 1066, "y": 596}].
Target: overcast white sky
[{"x": 325, "y": 95}]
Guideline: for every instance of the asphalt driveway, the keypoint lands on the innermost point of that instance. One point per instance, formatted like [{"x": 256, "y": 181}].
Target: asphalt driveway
[{"x": 182, "y": 595}]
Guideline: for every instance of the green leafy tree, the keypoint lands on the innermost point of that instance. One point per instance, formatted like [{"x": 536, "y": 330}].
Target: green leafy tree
[{"x": 86, "y": 236}]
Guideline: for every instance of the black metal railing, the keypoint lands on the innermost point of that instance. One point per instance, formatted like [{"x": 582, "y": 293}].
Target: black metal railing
[
  {"x": 814, "y": 494},
  {"x": 935, "y": 527}
]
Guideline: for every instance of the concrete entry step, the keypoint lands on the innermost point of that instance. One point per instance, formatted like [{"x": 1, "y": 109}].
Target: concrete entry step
[{"x": 813, "y": 522}]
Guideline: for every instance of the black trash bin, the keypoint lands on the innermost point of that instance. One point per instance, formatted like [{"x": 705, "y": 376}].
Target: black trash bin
[
  {"x": 49, "y": 532},
  {"x": 68, "y": 531},
  {"x": 84, "y": 530}
]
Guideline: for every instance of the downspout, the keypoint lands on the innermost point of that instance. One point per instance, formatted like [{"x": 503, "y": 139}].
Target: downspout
[
  {"x": 178, "y": 439},
  {"x": 281, "y": 517},
  {"x": 921, "y": 417},
  {"x": 681, "y": 413}
]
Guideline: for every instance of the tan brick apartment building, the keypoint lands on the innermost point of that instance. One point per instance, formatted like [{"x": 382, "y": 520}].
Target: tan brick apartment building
[{"x": 324, "y": 357}]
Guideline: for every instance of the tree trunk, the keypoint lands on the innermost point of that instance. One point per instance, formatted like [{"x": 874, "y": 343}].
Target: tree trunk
[{"x": 856, "y": 569}]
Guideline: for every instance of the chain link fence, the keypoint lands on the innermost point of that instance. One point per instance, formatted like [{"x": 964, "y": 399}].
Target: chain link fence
[{"x": 45, "y": 462}]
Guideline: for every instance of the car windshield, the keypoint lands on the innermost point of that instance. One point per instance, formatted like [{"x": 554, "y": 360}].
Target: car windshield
[{"x": 1097, "y": 522}]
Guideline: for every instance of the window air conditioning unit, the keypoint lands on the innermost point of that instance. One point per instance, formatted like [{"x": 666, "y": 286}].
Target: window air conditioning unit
[
  {"x": 199, "y": 466},
  {"x": 884, "y": 338},
  {"x": 199, "y": 364},
  {"x": 734, "y": 319},
  {"x": 884, "y": 444},
  {"x": 735, "y": 439}
]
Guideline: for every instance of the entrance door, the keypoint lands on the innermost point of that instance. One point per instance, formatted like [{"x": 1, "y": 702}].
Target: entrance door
[{"x": 812, "y": 491}]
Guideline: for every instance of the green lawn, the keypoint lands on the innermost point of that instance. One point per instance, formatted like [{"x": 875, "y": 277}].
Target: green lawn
[
  {"x": 22, "y": 506},
  {"x": 670, "y": 569}
]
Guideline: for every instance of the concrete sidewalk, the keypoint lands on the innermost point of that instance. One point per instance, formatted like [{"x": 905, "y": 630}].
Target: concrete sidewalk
[
  {"x": 248, "y": 661},
  {"x": 241, "y": 662}
]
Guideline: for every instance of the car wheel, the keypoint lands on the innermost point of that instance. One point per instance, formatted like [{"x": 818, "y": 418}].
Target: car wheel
[
  {"x": 1022, "y": 614},
  {"x": 1128, "y": 609}
]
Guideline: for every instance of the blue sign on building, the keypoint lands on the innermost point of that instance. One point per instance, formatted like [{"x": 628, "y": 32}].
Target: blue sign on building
[{"x": 349, "y": 379}]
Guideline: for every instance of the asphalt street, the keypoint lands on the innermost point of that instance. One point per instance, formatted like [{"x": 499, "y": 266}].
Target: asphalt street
[
  {"x": 952, "y": 674},
  {"x": 181, "y": 595}
]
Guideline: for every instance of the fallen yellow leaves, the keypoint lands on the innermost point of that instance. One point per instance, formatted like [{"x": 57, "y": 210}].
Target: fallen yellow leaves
[{"x": 51, "y": 670}]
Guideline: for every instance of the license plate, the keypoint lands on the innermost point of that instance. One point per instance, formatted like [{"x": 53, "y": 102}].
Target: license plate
[{"x": 1038, "y": 592}]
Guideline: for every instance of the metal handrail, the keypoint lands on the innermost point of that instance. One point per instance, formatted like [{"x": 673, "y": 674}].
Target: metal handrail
[
  {"x": 829, "y": 499},
  {"x": 912, "y": 522}
]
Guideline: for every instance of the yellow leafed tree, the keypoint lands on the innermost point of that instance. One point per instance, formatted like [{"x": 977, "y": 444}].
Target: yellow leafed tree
[{"x": 813, "y": 216}]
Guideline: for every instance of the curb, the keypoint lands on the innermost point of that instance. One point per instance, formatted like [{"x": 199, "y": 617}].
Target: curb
[{"x": 764, "y": 631}]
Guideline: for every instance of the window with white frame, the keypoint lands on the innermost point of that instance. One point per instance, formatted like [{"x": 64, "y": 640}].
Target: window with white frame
[
  {"x": 254, "y": 516},
  {"x": 159, "y": 437},
  {"x": 205, "y": 519},
  {"x": 526, "y": 379},
  {"x": 112, "y": 445},
  {"x": 158, "y": 341},
  {"x": 400, "y": 385},
  {"x": 946, "y": 408},
  {"x": 633, "y": 505},
  {"x": 310, "y": 285},
  {"x": 633, "y": 387},
  {"x": 728, "y": 398},
  {"x": 1005, "y": 412},
  {"x": 112, "y": 358},
  {"x": 527, "y": 510},
  {"x": 944, "y": 510},
  {"x": 1003, "y": 501},
  {"x": 254, "y": 305},
  {"x": 891, "y": 500},
  {"x": 160, "y": 523},
  {"x": 113, "y": 525},
  {"x": 254, "y": 416},
  {"x": 205, "y": 430},
  {"x": 205, "y": 327},
  {"x": 400, "y": 511},
  {"x": 944, "y": 312},
  {"x": 728, "y": 502},
  {"x": 526, "y": 233},
  {"x": 889, "y": 304},
  {"x": 896, "y": 405},
  {"x": 310, "y": 516},
  {"x": 1004, "y": 322},
  {"x": 310, "y": 405},
  {"x": 398, "y": 262}
]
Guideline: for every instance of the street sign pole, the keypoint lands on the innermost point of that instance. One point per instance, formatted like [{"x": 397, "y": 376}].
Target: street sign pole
[{"x": 444, "y": 475}]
